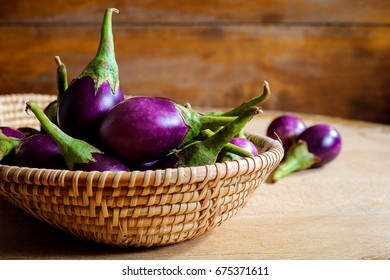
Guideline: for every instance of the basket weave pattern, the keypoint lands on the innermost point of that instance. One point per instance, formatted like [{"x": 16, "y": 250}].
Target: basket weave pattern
[{"x": 132, "y": 208}]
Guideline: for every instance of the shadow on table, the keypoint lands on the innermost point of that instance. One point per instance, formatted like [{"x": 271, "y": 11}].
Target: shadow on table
[{"x": 25, "y": 237}]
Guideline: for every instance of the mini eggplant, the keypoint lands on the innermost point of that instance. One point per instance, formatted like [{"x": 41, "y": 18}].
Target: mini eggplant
[
  {"x": 143, "y": 129},
  {"x": 206, "y": 151},
  {"x": 78, "y": 154},
  {"x": 11, "y": 132},
  {"x": 39, "y": 151},
  {"x": 322, "y": 140},
  {"x": 94, "y": 92},
  {"x": 316, "y": 146},
  {"x": 286, "y": 128},
  {"x": 244, "y": 144}
]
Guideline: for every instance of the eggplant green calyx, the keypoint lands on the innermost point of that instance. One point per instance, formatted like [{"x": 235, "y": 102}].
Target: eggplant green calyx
[
  {"x": 256, "y": 101},
  {"x": 207, "y": 151},
  {"x": 75, "y": 151},
  {"x": 7, "y": 144},
  {"x": 229, "y": 147},
  {"x": 62, "y": 78},
  {"x": 197, "y": 122},
  {"x": 297, "y": 158},
  {"x": 104, "y": 67}
]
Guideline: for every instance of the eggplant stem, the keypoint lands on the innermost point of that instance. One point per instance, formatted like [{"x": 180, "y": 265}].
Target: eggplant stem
[
  {"x": 297, "y": 158},
  {"x": 215, "y": 121},
  {"x": 224, "y": 135},
  {"x": 254, "y": 102},
  {"x": 73, "y": 150},
  {"x": 103, "y": 68},
  {"x": 62, "y": 78},
  {"x": 106, "y": 33},
  {"x": 229, "y": 147}
]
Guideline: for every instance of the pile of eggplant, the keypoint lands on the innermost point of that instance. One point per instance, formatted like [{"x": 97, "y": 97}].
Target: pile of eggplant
[
  {"x": 91, "y": 126},
  {"x": 304, "y": 147}
]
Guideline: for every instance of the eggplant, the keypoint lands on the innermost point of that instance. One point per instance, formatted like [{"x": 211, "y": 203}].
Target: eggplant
[
  {"x": 285, "y": 128},
  {"x": 245, "y": 144},
  {"x": 242, "y": 143},
  {"x": 78, "y": 154},
  {"x": 11, "y": 132},
  {"x": 144, "y": 129},
  {"x": 39, "y": 151},
  {"x": 205, "y": 152},
  {"x": 94, "y": 92},
  {"x": 315, "y": 146}
]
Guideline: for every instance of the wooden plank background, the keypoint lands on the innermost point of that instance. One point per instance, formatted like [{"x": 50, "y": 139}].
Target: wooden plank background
[{"x": 322, "y": 57}]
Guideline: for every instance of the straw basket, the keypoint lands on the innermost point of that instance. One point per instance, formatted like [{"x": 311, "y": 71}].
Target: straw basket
[{"x": 136, "y": 208}]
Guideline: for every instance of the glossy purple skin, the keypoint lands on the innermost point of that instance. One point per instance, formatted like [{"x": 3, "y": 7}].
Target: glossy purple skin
[
  {"x": 143, "y": 129},
  {"x": 80, "y": 111},
  {"x": 287, "y": 128},
  {"x": 103, "y": 162},
  {"x": 39, "y": 151},
  {"x": 10, "y": 132},
  {"x": 323, "y": 141},
  {"x": 28, "y": 131},
  {"x": 245, "y": 144}
]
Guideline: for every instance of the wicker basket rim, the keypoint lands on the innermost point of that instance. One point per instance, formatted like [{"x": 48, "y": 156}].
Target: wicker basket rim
[{"x": 160, "y": 177}]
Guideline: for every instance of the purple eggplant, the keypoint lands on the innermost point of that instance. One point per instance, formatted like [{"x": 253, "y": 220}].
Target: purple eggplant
[
  {"x": 94, "y": 92},
  {"x": 204, "y": 152},
  {"x": 39, "y": 151},
  {"x": 78, "y": 154},
  {"x": 143, "y": 129},
  {"x": 316, "y": 146},
  {"x": 286, "y": 128},
  {"x": 11, "y": 132},
  {"x": 242, "y": 143},
  {"x": 245, "y": 144}
]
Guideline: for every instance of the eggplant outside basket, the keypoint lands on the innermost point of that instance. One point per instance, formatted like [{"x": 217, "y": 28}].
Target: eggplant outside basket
[{"x": 149, "y": 208}]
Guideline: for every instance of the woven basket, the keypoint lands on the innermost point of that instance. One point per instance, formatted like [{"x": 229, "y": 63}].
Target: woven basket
[{"x": 136, "y": 208}]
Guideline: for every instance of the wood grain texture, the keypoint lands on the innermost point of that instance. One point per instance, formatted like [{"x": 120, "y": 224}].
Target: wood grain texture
[
  {"x": 340, "y": 211},
  {"x": 203, "y": 11},
  {"x": 319, "y": 57}
]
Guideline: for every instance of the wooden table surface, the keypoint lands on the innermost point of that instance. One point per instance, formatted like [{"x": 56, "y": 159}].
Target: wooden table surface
[{"x": 340, "y": 211}]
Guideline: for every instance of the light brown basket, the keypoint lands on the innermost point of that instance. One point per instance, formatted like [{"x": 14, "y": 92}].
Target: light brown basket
[{"x": 132, "y": 208}]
